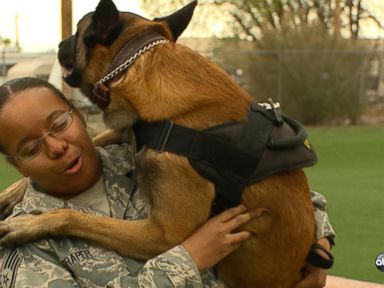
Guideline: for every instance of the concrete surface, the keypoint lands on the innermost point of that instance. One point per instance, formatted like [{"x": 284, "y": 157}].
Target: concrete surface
[{"x": 339, "y": 282}]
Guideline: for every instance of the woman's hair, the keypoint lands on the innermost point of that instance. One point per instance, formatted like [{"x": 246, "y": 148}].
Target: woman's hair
[{"x": 18, "y": 85}]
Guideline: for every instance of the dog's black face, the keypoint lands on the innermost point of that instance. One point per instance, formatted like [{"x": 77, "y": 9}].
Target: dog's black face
[{"x": 86, "y": 55}]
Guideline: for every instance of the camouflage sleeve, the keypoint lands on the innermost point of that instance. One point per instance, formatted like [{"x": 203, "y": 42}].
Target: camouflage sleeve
[
  {"x": 324, "y": 226},
  {"x": 173, "y": 268},
  {"x": 20, "y": 270}
]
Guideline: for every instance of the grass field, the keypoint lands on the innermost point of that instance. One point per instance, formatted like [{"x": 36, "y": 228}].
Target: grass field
[
  {"x": 350, "y": 173},
  {"x": 7, "y": 174}
]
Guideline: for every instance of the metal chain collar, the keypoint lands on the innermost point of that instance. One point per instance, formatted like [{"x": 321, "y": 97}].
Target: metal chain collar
[{"x": 129, "y": 62}]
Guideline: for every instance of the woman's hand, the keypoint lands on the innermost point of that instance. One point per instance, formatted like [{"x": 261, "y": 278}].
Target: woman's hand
[
  {"x": 215, "y": 239},
  {"x": 315, "y": 277}
]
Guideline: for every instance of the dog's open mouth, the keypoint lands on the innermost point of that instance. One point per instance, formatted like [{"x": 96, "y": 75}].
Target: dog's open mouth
[
  {"x": 67, "y": 72},
  {"x": 71, "y": 76}
]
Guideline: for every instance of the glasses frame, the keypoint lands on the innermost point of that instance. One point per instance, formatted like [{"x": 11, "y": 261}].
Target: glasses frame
[{"x": 42, "y": 138}]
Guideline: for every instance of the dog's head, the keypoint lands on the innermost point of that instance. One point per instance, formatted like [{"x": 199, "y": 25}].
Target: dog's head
[{"x": 86, "y": 55}]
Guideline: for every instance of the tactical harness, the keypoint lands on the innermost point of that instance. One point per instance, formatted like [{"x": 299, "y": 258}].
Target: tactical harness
[
  {"x": 237, "y": 154},
  {"x": 234, "y": 155}
]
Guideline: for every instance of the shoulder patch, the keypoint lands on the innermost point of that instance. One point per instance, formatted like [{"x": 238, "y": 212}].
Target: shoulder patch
[{"x": 9, "y": 269}]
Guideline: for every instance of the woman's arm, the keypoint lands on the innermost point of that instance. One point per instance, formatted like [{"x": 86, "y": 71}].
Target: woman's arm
[
  {"x": 177, "y": 267},
  {"x": 203, "y": 249},
  {"x": 315, "y": 277},
  {"x": 324, "y": 226}
]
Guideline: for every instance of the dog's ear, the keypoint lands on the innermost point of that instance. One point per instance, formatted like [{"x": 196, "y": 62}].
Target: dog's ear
[
  {"x": 105, "y": 22},
  {"x": 178, "y": 21}
]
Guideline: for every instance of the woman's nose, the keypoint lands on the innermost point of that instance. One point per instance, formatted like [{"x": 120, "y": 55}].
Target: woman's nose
[{"x": 55, "y": 146}]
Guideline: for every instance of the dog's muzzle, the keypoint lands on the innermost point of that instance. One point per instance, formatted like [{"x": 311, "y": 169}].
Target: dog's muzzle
[{"x": 67, "y": 60}]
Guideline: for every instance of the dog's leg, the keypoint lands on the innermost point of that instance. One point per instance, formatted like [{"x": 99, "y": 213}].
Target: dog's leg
[
  {"x": 11, "y": 196},
  {"x": 108, "y": 232},
  {"x": 107, "y": 137},
  {"x": 173, "y": 217},
  {"x": 140, "y": 239}
]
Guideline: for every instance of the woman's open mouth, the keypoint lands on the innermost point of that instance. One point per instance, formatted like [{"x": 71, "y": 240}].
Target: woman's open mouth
[{"x": 74, "y": 166}]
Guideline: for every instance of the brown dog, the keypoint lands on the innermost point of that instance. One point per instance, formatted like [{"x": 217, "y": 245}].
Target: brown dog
[{"x": 170, "y": 81}]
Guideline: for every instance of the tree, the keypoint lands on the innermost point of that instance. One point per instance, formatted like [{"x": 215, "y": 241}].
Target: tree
[
  {"x": 252, "y": 18},
  {"x": 255, "y": 16},
  {"x": 208, "y": 22}
]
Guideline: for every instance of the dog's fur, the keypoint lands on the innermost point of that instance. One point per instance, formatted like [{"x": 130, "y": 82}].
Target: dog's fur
[{"x": 173, "y": 82}]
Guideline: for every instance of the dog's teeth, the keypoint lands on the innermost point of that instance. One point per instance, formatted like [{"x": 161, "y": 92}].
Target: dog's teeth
[{"x": 66, "y": 72}]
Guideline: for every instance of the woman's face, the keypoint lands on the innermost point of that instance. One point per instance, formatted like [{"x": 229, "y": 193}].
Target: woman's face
[{"x": 68, "y": 163}]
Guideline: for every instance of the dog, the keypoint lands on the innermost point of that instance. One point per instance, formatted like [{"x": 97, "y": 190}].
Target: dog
[{"x": 159, "y": 81}]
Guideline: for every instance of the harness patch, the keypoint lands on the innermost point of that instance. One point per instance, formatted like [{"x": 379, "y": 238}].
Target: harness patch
[
  {"x": 9, "y": 270},
  {"x": 307, "y": 144}
]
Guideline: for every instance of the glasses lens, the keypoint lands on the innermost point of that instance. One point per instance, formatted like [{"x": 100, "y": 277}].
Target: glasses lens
[
  {"x": 59, "y": 125},
  {"x": 30, "y": 149}
]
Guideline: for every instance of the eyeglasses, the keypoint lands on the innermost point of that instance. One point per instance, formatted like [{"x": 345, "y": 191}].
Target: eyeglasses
[{"x": 32, "y": 148}]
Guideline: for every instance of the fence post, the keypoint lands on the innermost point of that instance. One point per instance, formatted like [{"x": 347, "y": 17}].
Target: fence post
[
  {"x": 362, "y": 79},
  {"x": 280, "y": 76}
]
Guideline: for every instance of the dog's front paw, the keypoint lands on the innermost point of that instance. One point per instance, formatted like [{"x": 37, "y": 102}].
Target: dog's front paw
[
  {"x": 12, "y": 196},
  {"x": 22, "y": 229}
]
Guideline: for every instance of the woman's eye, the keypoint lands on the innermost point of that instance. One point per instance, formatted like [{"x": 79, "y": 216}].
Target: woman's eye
[
  {"x": 30, "y": 149},
  {"x": 58, "y": 126}
]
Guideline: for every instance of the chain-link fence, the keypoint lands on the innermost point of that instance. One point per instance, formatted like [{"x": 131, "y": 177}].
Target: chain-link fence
[{"x": 315, "y": 86}]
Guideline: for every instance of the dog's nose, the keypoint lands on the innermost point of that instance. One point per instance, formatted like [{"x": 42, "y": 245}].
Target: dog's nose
[
  {"x": 66, "y": 52},
  {"x": 61, "y": 44},
  {"x": 68, "y": 39}
]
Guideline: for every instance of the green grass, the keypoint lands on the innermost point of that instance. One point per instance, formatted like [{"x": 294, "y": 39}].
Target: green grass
[
  {"x": 8, "y": 174},
  {"x": 350, "y": 173}
]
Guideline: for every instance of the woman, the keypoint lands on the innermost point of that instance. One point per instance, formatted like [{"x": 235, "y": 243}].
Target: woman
[{"x": 45, "y": 138}]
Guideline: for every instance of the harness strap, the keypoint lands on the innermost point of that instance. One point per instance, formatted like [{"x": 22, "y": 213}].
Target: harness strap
[
  {"x": 195, "y": 145},
  {"x": 227, "y": 160},
  {"x": 255, "y": 134}
]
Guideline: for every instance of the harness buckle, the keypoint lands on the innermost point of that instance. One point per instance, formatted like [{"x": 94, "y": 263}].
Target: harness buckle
[
  {"x": 164, "y": 135},
  {"x": 270, "y": 106},
  {"x": 277, "y": 114}
]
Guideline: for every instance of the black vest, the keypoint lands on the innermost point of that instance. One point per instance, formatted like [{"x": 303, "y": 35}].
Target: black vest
[{"x": 236, "y": 154}]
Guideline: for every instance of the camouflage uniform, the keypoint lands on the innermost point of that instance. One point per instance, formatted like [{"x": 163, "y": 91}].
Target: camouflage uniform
[
  {"x": 324, "y": 226},
  {"x": 72, "y": 262}
]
